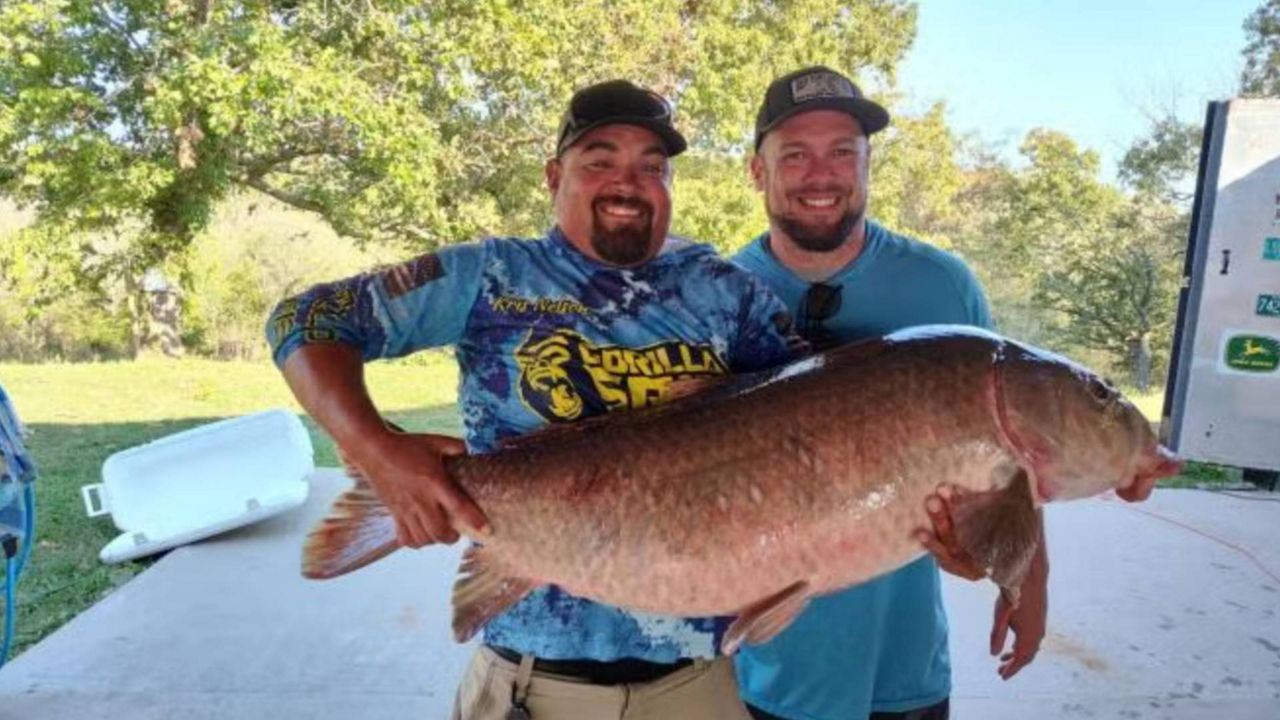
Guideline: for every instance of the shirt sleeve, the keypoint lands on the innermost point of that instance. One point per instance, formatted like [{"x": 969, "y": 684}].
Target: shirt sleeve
[
  {"x": 420, "y": 303},
  {"x": 766, "y": 337}
]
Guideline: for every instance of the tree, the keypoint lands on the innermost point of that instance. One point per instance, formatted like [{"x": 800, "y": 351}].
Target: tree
[
  {"x": 1261, "y": 74},
  {"x": 1163, "y": 163},
  {"x": 420, "y": 124},
  {"x": 916, "y": 177},
  {"x": 1118, "y": 294},
  {"x": 1103, "y": 265}
]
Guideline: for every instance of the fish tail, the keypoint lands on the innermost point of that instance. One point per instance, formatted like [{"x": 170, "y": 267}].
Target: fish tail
[{"x": 358, "y": 530}]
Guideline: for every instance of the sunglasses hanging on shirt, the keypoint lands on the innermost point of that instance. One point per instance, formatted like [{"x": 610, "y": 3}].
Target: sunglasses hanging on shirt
[{"x": 820, "y": 303}]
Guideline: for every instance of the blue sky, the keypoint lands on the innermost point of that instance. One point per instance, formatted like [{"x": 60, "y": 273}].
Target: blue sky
[{"x": 1092, "y": 68}]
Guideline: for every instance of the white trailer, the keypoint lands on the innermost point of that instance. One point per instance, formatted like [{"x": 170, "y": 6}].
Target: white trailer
[{"x": 1222, "y": 401}]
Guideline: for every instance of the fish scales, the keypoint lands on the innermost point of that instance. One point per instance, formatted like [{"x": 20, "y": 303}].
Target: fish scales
[
  {"x": 741, "y": 495},
  {"x": 761, "y": 491}
]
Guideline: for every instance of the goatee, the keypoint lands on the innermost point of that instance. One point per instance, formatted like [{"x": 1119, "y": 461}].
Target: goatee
[
  {"x": 625, "y": 245},
  {"x": 818, "y": 239}
]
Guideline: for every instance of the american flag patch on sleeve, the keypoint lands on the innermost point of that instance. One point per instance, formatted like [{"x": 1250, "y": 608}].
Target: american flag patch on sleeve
[{"x": 411, "y": 275}]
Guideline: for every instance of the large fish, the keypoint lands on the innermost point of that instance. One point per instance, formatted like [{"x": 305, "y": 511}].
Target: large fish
[{"x": 753, "y": 495}]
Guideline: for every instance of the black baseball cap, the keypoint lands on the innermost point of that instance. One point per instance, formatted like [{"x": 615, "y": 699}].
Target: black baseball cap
[
  {"x": 618, "y": 102},
  {"x": 817, "y": 88}
]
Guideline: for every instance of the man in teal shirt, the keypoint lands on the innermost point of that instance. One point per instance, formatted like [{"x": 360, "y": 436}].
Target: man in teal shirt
[{"x": 879, "y": 649}]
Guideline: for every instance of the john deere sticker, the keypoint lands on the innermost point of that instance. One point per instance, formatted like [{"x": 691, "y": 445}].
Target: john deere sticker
[{"x": 1252, "y": 353}]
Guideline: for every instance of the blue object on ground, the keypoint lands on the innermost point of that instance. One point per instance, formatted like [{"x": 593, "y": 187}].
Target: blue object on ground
[{"x": 17, "y": 513}]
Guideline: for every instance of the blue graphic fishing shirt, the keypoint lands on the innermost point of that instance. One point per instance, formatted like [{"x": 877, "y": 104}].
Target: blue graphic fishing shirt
[{"x": 543, "y": 334}]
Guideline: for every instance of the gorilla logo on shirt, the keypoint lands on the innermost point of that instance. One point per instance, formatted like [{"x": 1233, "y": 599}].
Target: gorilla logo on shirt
[
  {"x": 547, "y": 378},
  {"x": 564, "y": 376}
]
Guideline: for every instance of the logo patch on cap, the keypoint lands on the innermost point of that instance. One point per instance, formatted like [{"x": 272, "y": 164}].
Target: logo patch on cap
[{"x": 820, "y": 85}]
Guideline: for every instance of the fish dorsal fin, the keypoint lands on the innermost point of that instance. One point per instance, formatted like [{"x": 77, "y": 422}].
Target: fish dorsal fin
[
  {"x": 762, "y": 620},
  {"x": 482, "y": 592},
  {"x": 358, "y": 530},
  {"x": 1001, "y": 530}
]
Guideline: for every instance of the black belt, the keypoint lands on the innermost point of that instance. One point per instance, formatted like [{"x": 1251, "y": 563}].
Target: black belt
[{"x": 627, "y": 671}]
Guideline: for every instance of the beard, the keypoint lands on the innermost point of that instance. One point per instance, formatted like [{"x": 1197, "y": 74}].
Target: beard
[
  {"x": 627, "y": 244},
  {"x": 815, "y": 237}
]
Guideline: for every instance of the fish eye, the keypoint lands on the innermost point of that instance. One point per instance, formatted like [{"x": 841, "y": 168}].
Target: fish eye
[{"x": 1100, "y": 390}]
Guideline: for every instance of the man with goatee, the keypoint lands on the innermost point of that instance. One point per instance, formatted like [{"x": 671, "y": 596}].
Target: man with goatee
[
  {"x": 879, "y": 649},
  {"x": 603, "y": 313}
]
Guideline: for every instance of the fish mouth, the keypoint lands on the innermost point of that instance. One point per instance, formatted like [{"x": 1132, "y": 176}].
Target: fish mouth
[
  {"x": 1164, "y": 464},
  {"x": 1158, "y": 463}
]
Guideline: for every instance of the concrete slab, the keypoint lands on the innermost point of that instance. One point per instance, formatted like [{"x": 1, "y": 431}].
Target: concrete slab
[
  {"x": 227, "y": 629},
  {"x": 1164, "y": 610}
]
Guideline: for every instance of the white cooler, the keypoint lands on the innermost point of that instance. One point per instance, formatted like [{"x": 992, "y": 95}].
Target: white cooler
[{"x": 200, "y": 482}]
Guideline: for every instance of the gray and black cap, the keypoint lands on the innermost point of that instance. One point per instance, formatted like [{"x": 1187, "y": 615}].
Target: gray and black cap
[
  {"x": 618, "y": 102},
  {"x": 817, "y": 88}
]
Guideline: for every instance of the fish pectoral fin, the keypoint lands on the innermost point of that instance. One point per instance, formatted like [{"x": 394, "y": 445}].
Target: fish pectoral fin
[
  {"x": 1000, "y": 529},
  {"x": 358, "y": 530},
  {"x": 482, "y": 592},
  {"x": 762, "y": 620}
]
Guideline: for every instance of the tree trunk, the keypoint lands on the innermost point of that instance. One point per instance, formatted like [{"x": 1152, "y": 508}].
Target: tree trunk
[
  {"x": 135, "y": 300},
  {"x": 1141, "y": 357}
]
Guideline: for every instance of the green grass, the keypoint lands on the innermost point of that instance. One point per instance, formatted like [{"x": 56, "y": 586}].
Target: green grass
[{"x": 79, "y": 414}]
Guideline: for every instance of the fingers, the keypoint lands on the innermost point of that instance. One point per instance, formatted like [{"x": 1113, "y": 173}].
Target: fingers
[
  {"x": 462, "y": 510},
  {"x": 944, "y": 544},
  {"x": 932, "y": 544},
  {"x": 1000, "y": 626},
  {"x": 940, "y": 514},
  {"x": 1012, "y": 663},
  {"x": 412, "y": 480},
  {"x": 425, "y": 524},
  {"x": 960, "y": 567},
  {"x": 1025, "y": 648},
  {"x": 1028, "y": 633},
  {"x": 438, "y": 517}
]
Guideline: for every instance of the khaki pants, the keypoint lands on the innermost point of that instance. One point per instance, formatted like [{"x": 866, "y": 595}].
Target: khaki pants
[{"x": 705, "y": 690}]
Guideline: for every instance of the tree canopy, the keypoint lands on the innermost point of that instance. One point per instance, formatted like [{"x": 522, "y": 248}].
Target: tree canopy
[
  {"x": 1261, "y": 74},
  {"x": 421, "y": 123},
  {"x": 128, "y": 126}
]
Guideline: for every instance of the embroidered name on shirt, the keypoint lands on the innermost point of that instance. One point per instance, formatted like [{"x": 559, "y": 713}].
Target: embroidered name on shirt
[{"x": 541, "y": 306}]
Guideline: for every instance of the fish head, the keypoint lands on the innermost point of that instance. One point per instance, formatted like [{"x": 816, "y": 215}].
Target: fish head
[{"x": 1075, "y": 433}]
